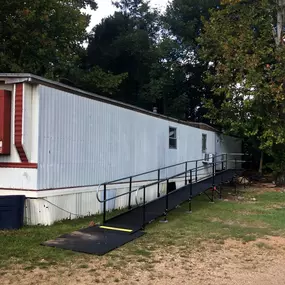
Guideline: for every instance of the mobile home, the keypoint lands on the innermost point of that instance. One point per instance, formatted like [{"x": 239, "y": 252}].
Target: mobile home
[{"x": 58, "y": 143}]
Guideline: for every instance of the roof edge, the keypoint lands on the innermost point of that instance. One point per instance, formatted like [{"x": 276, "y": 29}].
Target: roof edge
[{"x": 11, "y": 78}]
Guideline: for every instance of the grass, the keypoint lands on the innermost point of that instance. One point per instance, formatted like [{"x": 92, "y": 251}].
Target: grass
[
  {"x": 244, "y": 220},
  {"x": 24, "y": 245}
]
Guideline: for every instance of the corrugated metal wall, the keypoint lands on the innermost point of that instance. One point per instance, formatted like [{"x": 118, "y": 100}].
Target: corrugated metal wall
[{"x": 85, "y": 142}]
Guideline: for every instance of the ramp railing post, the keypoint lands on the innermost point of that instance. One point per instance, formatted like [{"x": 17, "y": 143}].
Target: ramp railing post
[
  {"x": 222, "y": 161},
  {"x": 158, "y": 184},
  {"x": 213, "y": 187},
  {"x": 213, "y": 170},
  {"x": 196, "y": 175},
  {"x": 226, "y": 161},
  {"x": 166, "y": 204},
  {"x": 190, "y": 194},
  {"x": 144, "y": 217},
  {"x": 167, "y": 193},
  {"x": 130, "y": 193},
  {"x": 185, "y": 173},
  {"x": 104, "y": 203}
]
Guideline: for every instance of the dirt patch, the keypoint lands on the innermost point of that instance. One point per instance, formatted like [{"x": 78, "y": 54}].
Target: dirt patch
[
  {"x": 260, "y": 188},
  {"x": 258, "y": 262},
  {"x": 275, "y": 206},
  {"x": 257, "y": 224}
]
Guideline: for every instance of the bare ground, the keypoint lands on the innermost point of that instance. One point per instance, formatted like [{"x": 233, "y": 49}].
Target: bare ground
[{"x": 260, "y": 262}]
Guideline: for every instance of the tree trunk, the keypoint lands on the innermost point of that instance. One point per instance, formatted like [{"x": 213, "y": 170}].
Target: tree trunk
[
  {"x": 261, "y": 163},
  {"x": 280, "y": 180},
  {"x": 280, "y": 22},
  {"x": 280, "y": 177}
]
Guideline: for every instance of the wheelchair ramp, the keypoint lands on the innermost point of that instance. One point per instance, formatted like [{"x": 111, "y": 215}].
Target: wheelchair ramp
[
  {"x": 126, "y": 227},
  {"x": 97, "y": 240},
  {"x": 134, "y": 218}
]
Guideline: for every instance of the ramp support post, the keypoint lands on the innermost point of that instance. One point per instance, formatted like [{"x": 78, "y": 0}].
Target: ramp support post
[
  {"x": 104, "y": 204},
  {"x": 190, "y": 194},
  {"x": 213, "y": 186},
  {"x": 221, "y": 187},
  {"x": 220, "y": 193},
  {"x": 166, "y": 204},
  {"x": 130, "y": 193},
  {"x": 185, "y": 173},
  {"x": 158, "y": 184},
  {"x": 213, "y": 170},
  {"x": 144, "y": 217}
]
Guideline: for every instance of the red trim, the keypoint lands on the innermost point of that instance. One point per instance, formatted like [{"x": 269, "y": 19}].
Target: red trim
[
  {"x": 18, "y": 165},
  {"x": 5, "y": 121},
  {"x": 19, "y": 122}
]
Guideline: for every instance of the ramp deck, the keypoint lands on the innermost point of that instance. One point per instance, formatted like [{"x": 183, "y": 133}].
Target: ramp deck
[{"x": 127, "y": 226}]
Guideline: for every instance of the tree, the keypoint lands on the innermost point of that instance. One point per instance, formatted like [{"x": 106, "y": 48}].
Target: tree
[
  {"x": 166, "y": 89},
  {"x": 42, "y": 36},
  {"x": 246, "y": 69},
  {"x": 179, "y": 77},
  {"x": 125, "y": 43},
  {"x": 45, "y": 37}
]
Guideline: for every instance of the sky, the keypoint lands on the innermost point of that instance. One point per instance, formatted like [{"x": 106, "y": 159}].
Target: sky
[{"x": 105, "y": 8}]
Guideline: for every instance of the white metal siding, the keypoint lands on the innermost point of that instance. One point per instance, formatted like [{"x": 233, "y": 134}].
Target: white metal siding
[
  {"x": 30, "y": 122},
  {"x": 18, "y": 178},
  {"x": 85, "y": 142},
  {"x": 227, "y": 144}
]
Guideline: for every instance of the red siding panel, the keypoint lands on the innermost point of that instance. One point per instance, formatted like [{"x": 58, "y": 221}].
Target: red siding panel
[
  {"x": 19, "y": 122},
  {"x": 18, "y": 165},
  {"x": 5, "y": 122}
]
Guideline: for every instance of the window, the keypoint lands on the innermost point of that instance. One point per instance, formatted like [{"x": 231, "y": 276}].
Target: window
[
  {"x": 204, "y": 142},
  {"x": 172, "y": 138}
]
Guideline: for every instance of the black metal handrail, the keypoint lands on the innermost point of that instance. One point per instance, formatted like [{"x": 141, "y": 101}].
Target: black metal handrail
[
  {"x": 130, "y": 178},
  {"x": 212, "y": 165},
  {"x": 203, "y": 167},
  {"x": 159, "y": 180},
  {"x": 151, "y": 171}
]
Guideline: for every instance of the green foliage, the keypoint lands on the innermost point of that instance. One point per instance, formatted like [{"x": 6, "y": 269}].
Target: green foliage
[
  {"x": 96, "y": 80},
  {"x": 159, "y": 54},
  {"x": 42, "y": 36},
  {"x": 180, "y": 61},
  {"x": 125, "y": 44},
  {"x": 183, "y": 18},
  {"x": 45, "y": 37},
  {"x": 167, "y": 83},
  {"x": 247, "y": 72}
]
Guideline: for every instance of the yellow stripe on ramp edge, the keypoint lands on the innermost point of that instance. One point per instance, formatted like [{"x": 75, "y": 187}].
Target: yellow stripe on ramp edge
[{"x": 116, "y": 229}]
